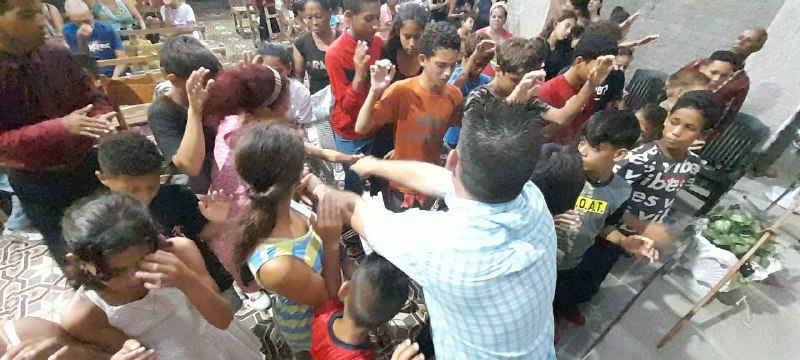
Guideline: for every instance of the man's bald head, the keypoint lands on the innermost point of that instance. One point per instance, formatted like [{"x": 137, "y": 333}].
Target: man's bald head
[{"x": 750, "y": 41}]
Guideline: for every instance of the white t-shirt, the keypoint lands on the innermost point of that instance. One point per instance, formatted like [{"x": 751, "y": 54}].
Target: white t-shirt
[
  {"x": 300, "y": 99},
  {"x": 181, "y": 16}
]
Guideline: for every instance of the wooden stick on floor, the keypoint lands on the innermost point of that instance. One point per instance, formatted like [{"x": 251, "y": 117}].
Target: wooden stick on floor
[{"x": 731, "y": 272}]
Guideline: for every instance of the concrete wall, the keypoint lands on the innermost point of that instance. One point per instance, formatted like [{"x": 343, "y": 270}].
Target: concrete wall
[{"x": 691, "y": 29}]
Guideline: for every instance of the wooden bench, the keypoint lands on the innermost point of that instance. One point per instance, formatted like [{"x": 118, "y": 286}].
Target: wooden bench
[
  {"x": 130, "y": 60},
  {"x": 136, "y": 35},
  {"x": 215, "y": 47}
]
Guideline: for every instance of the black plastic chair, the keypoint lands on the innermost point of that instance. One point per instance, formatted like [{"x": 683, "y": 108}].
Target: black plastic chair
[
  {"x": 727, "y": 159},
  {"x": 646, "y": 87}
]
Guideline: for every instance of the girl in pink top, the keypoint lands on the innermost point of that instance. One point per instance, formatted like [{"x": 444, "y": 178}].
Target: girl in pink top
[
  {"x": 496, "y": 31},
  {"x": 388, "y": 11},
  {"x": 251, "y": 93}
]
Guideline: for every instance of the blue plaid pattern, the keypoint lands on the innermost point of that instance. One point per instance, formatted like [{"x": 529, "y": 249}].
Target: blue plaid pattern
[{"x": 488, "y": 272}]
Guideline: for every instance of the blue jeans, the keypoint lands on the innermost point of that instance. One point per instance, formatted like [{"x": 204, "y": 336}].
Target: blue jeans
[{"x": 352, "y": 147}]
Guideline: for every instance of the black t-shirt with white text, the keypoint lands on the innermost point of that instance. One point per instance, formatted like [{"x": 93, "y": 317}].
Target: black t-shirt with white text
[{"x": 656, "y": 179}]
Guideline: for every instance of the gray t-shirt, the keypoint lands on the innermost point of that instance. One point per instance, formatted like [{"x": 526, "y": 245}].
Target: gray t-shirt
[{"x": 599, "y": 206}]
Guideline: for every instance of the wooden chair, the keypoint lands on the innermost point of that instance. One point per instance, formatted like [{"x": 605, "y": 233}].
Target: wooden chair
[
  {"x": 241, "y": 13},
  {"x": 646, "y": 87},
  {"x": 727, "y": 159},
  {"x": 130, "y": 90}
]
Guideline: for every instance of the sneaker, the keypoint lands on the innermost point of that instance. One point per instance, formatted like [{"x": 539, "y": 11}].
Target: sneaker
[
  {"x": 259, "y": 300},
  {"x": 577, "y": 319},
  {"x": 27, "y": 236}
]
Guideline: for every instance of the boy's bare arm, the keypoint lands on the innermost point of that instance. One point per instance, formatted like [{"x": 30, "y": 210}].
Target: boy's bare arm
[
  {"x": 483, "y": 50},
  {"x": 191, "y": 153},
  {"x": 382, "y": 74},
  {"x": 575, "y": 104},
  {"x": 419, "y": 176}
]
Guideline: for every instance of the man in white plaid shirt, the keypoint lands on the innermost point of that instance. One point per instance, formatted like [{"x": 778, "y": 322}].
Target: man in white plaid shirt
[{"x": 487, "y": 265}]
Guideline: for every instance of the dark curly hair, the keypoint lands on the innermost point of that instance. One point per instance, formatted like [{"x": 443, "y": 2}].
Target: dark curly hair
[
  {"x": 439, "y": 36},
  {"x": 101, "y": 228},
  {"x": 559, "y": 176},
  {"x": 705, "y": 102},
  {"x": 618, "y": 128},
  {"x": 128, "y": 154}
]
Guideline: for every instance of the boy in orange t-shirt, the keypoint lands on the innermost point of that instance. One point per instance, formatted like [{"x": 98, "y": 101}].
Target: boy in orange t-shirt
[{"x": 422, "y": 107}]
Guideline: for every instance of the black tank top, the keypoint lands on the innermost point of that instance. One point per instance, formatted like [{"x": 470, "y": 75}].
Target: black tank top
[{"x": 314, "y": 62}]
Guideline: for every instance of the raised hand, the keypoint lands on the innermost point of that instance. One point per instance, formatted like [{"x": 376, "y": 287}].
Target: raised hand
[
  {"x": 647, "y": 39},
  {"x": 78, "y": 124},
  {"x": 527, "y": 87},
  {"x": 216, "y": 206},
  {"x": 602, "y": 67},
  {"x": 641, "y": 246},
  {"x": 484, "y": 48},
  {"x": 626, "y": 25},
  {"x": 697, "y": 145},
  {"x": 250, "y": 58},
  {"x": 133, "y": 350},
  {"x": 382, "y": 74},
  {"x": 85, "y": 31},
  {"x": 163, "y": 269},
  {"x": 360, "y": 57},
  {"x": 197, "y": 88}
]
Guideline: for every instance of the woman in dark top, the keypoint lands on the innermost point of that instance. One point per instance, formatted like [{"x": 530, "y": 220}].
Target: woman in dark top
[
  {"x": 309, "y": 49},
  {"x": 439, "y": 9},
  {"x": 558, "y": 44},
  {"x": 483, "y": 9},
  {"x": 402, "y": 48}
]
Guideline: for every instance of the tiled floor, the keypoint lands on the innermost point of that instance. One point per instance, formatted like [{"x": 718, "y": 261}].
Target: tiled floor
[{"x": 30, "y": 282}]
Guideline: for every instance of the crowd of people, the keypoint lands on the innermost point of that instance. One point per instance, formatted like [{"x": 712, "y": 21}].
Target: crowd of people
[{"x": 512, "y": 177}]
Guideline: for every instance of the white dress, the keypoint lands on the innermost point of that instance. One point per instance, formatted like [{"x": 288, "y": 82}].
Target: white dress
[{"x": 165, "y": 321}]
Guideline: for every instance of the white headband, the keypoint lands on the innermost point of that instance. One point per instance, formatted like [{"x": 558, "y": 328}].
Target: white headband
[{"x": 276, "y": 91}]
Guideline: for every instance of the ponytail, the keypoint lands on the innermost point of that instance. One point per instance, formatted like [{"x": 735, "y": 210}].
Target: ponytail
[
  {"x": 269, "y": 160},
  {"x": 256, "y": 226}
]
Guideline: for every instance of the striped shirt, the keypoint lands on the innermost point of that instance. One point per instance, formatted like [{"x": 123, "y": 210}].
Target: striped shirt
[
  {"x": 293, "y": 320},
  {"x": 488, "y": 272}
]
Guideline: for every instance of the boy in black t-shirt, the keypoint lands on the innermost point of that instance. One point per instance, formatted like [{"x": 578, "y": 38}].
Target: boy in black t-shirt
[
  {"x": 130, "y": 164},
  {"x": 167, "y": 115}
]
